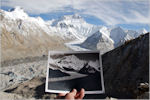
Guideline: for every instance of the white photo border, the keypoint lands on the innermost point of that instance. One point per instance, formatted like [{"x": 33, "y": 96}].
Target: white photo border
[{"x": 86, "y": 92}]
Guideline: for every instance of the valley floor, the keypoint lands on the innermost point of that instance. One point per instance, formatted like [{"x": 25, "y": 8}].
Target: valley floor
[
  {"x": 74, "y": 45},
  {"x": 14, "y": 74}
]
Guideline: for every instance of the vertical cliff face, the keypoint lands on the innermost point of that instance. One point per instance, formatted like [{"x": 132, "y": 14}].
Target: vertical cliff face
[{"x": 126, "y": 67}]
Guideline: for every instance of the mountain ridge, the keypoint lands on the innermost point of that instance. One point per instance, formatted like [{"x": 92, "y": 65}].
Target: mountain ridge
[{"x": 22, "y": 32}]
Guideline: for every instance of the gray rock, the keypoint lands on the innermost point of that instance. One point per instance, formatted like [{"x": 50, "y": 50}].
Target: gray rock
[{"x": 126, "y": 67}]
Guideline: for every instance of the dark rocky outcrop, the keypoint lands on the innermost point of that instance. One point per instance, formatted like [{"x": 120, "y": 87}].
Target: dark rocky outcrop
[
  {"x": 87, "y": 69},
  {"x": 126, "y": 67}
]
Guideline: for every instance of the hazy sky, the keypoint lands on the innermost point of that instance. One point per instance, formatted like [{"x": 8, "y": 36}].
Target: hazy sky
[{"x": 130, "y": 14}]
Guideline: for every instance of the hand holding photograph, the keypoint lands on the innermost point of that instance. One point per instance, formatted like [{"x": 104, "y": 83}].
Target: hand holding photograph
[{"x": 74, "y": 70}]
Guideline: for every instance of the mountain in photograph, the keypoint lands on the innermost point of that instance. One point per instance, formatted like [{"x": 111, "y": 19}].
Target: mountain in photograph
[
  {"x": 33, "y": 36},
  {"x": 87, "y": 69},
  {"x": 73, "y": 62}
]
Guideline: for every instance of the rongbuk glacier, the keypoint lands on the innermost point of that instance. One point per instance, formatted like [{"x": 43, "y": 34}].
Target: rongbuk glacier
[{"x": 80, "y": 34}]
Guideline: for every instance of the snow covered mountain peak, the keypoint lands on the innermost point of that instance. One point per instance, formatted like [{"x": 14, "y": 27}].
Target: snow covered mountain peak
[
  {"x": 104, "y": 30},
  {"x": 17, "y": 8},
  {"x": 68, "y": 20},
  {"x": 16, "y": 13},
  {"x": 74, "y": 63},
  {"x": 99, "y": 40},
  {"x": 74, "y": 27},
  {"x": 75, "y": 16},
  {"x": 117, "y": 34},
  {"x": 142, "y": 31}
]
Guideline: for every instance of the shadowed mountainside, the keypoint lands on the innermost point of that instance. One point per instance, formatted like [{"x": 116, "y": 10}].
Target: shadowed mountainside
[
  {"x": 29, "y": 46},
  {"x": 126, "y": 67}
]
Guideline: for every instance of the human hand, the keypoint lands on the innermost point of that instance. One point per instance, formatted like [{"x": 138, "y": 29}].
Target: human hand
[{"x": 73, "y": 95}]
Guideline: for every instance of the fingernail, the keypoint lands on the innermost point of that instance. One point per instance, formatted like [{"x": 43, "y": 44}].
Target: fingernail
[
  {"x": 82, "y": 89},
  {"x": 74, "y": 90}
]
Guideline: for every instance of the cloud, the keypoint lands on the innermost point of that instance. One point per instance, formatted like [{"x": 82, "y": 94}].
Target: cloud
[
  {"x": 38, "y": 6},
  {"x": 111, "y": 12},
  {"x": 117, "y": 12}
]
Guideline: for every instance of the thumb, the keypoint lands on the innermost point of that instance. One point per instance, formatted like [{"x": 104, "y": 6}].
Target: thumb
[
  {"x": 71, "y": 95},
  {"x": 73, "y": 92}
]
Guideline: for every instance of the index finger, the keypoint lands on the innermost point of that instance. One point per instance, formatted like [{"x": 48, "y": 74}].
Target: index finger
[{"x": 82, "y": 94}]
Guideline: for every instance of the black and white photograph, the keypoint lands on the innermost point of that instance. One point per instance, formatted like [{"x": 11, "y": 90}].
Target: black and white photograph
[{"x": 74, "y": 70}]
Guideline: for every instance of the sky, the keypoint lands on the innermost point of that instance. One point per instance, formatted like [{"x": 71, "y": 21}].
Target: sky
[{"x": 129, "y": 14}]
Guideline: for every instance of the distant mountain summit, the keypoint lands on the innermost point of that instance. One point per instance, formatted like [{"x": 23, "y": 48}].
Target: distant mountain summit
[
  {"x": 18, "y": 8},
  {"x": 107, "y": 39},
  {"x": 73, "y": 27},
  {"x": 16, "y": 13},
  {"x": 99, "y": 40},
  {"x": 142, "y": 31}
]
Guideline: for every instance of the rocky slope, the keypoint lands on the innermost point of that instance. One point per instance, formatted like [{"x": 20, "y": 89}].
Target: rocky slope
[
  {"x": 24, "y": 36},
  {"x": 11, "y": 96},
  {"x": 125, "y": 68},
  {"x": 17, "y": 73},
  {"x": 14, "y": 45}
]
